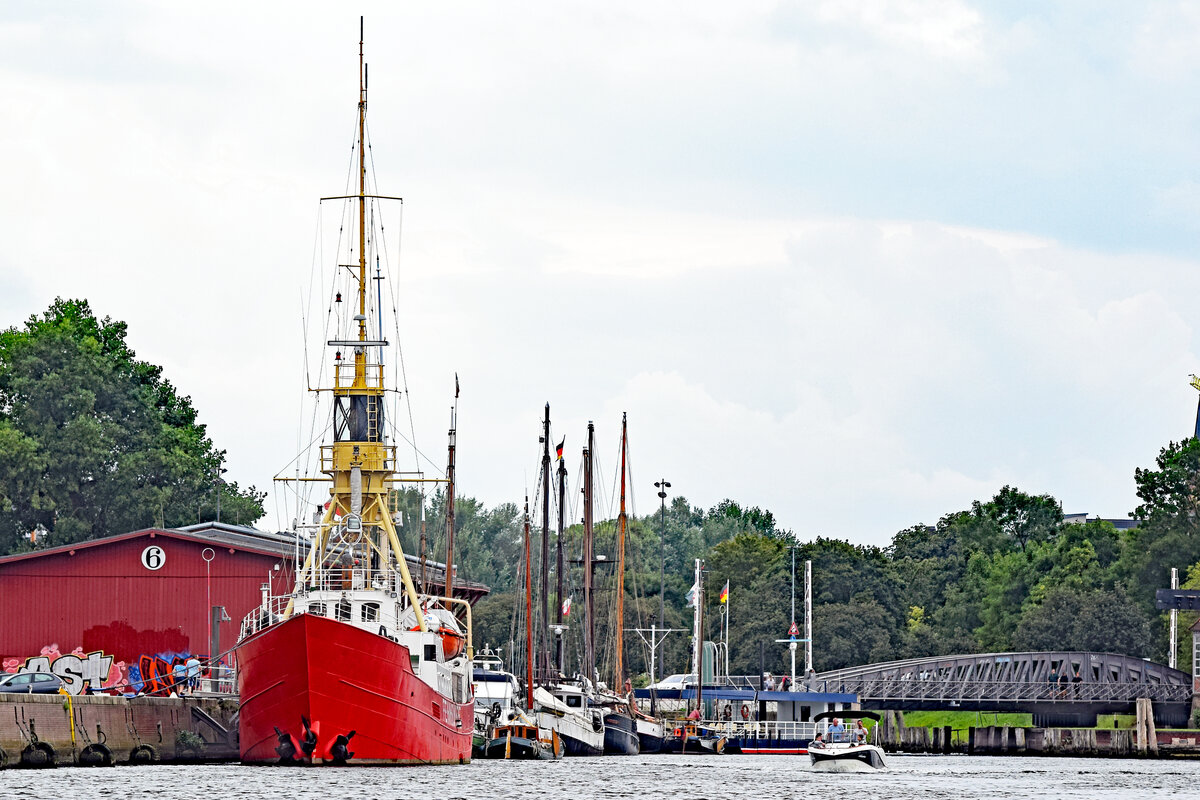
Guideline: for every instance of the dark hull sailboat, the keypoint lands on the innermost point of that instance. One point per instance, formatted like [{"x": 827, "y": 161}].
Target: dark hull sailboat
[{"x": 620, "y": 735}]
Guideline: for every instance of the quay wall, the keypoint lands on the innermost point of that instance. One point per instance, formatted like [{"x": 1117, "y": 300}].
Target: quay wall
[
  {"x": 1143, "y": 740},
  {"x": 54, "y": 730}
]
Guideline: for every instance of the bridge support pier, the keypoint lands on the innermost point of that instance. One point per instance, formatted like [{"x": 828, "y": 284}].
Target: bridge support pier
[{"x": 1147, "y": 736}]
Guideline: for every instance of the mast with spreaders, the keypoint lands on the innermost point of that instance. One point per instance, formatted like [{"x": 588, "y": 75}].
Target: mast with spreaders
[
  {"x": 543, "y": 629},
  {"x": 360, "y": 462},
  {"x": 622, "y": 521},
  {"x": 560, "y": 555},
  {"x": 589, "y": 632}
]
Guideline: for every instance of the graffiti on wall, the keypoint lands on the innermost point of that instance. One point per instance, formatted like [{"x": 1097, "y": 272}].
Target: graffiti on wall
[
  {"x": 78, "y": 670},
  {"x": 150, "y": 673}
]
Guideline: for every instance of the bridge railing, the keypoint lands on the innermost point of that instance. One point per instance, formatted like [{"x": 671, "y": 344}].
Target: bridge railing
[{"x": 952, "y": 690}]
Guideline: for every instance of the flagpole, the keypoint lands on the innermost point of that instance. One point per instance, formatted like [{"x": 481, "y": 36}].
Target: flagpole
[{"x": 726, "y": 629}]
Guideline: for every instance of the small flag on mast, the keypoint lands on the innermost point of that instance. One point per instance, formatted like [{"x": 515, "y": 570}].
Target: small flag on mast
[
  {"x": 691, "y": 595},
  {"x": 725, "y": 593},
  {"x": 566, "y": 608},
  {"x": 559, "y": 448}
]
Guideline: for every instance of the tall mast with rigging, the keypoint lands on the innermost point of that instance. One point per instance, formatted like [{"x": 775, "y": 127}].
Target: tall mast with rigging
[
  {"x": 544, "y": 649},
  {"x": 619, "y": 672},
  {"x": 559, "y": 555},
  {"x": 359, "y": 462},
  {"x": 450, "y": 494},
  {"x": 589, "y": 632},
  {"x": 528, "y": 613}
]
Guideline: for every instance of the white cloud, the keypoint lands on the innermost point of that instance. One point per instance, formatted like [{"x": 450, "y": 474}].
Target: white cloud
[{"x": 856, "y": 263}]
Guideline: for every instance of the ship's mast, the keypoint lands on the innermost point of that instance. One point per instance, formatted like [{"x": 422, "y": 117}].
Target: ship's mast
[
  {"x": 559, "y": 555},
  {"x": 360, "y": 462},
  {"x": 619, "y": 672},
  {"x": 450, "y": 494},
  {"x": 589, "y": 633},
  {"x": 698, "y": 634},
  {"x": 528, "y": 613},
  {"x": 544, "y": 650}
]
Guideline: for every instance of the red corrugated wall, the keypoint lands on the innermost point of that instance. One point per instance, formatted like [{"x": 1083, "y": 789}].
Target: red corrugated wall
[{"x": 103, "y": 598}]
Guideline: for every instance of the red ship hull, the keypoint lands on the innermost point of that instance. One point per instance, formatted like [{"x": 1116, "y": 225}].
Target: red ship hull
[{"x": 341, "y": 679}]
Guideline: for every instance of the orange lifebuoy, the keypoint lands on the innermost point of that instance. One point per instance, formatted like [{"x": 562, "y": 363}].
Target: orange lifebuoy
[{"x": 745, "y": 711}]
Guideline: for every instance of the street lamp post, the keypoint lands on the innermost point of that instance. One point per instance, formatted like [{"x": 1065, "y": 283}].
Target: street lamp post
[
  {"x": 662, "y": 486},
  {"x": 217, "y": 481}
]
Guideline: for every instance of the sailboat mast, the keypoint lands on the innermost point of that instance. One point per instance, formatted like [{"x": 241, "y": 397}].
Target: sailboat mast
[
  {"x": 619, "y": 672},
  {"x": 450, "y": 496},
  {"x": 544, "y": 649},
  {"x": 562, "y": 510},
  {"x": 589, "y": 634},
  {"x": 698, "y": 633},
  {"x": 528, "y": 613}
]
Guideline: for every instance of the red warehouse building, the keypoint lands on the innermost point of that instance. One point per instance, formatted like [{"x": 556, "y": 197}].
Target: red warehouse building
[{"x": 119, "y": 611}]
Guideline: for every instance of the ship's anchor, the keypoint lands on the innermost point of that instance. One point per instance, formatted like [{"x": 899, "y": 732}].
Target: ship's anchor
[
  {"x": 286, "y": 747},
  {"x": 309, "y": 743},
  {"x": 340, "y": 751}
]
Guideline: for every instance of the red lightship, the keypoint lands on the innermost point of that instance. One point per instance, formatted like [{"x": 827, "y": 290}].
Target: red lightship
[{"x": 354, "y": 666}]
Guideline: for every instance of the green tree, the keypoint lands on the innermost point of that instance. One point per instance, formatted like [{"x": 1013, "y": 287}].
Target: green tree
[
  {"x": 1073, "y": 619},
  {"x": 1023, "y": 517},
  {"x": 94, "y": 441}
]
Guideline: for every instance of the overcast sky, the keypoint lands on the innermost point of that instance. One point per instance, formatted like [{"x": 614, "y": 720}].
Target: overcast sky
[{"x": 860, "y": 263}]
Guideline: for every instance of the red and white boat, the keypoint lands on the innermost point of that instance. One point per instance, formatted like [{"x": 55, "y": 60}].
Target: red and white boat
[{"x": 354, "y": 665}]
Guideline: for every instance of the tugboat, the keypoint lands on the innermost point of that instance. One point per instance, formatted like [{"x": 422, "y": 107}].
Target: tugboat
[
  {"x": 354, "y": 665},
  {"x": 522, "y": 739}
]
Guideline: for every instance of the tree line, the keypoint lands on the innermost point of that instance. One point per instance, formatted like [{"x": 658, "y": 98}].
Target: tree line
[
  {"x": 1008, "y": 573},
  {"x": 94, "y": 441}
]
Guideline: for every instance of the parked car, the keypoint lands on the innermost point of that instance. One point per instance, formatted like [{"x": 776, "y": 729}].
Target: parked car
[
  {"x": 31, "y": 683},
  {"x": 674, "y": 682}
]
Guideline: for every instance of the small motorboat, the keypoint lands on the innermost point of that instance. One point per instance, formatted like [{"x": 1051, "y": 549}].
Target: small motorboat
[
  {"x": 521, "y": 739},
  {"x": 837, "y": 749},
  {"x": 689, "y": 737}
]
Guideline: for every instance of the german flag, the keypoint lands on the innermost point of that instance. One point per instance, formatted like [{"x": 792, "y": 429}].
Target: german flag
[
  {"x": 725, "y": 593},
  {"x": 559, "y": 448}
]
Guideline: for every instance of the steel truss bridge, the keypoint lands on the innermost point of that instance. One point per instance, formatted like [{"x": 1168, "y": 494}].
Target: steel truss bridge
[{"x": 1027, "y": 682}]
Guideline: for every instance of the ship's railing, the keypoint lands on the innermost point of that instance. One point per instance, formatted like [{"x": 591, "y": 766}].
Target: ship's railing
[
  {"x": 344, "y": 371},
  {"x": 264, "y": 616},
  {"x": 340, "y": 579},
  {"x": 759, "y": 729},
  {"x": 378, "y": 458}
]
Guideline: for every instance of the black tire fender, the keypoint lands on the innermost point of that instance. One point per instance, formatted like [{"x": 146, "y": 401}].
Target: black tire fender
[
  {"x": 143, "y": 754},
  {"x": 96, "y": 754}
]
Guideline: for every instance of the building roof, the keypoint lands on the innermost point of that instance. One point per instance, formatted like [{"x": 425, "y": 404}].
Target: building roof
[
  {"x": 250, "y": 544},
  {"x": 241, "y": 537}
]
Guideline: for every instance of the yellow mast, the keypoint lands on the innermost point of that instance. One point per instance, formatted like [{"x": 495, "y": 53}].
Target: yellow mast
[{"x": 359, "y": 461}]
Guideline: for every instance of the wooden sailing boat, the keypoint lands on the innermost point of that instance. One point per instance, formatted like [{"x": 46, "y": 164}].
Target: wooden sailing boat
[
  {"x": 620, "y": 730},
  {"x": 649, "y": 730},
  {"x": 563, "y": 706},
  {"x": 355, "y": 666},
  {"x": 520, "y": 737}
]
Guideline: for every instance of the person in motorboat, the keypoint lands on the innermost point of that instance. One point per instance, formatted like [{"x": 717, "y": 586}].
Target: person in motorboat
[
  {"x": 817, "y": 742},
  {"x": 860, "y": 732},
  {"x": 837, "y": 731}
]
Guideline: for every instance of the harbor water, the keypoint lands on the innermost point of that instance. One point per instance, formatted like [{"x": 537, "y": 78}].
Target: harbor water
[{"x": 644, "y": 777}]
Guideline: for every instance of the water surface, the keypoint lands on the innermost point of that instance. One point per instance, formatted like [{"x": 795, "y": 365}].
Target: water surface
[{"x": 643, "y": 777}]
